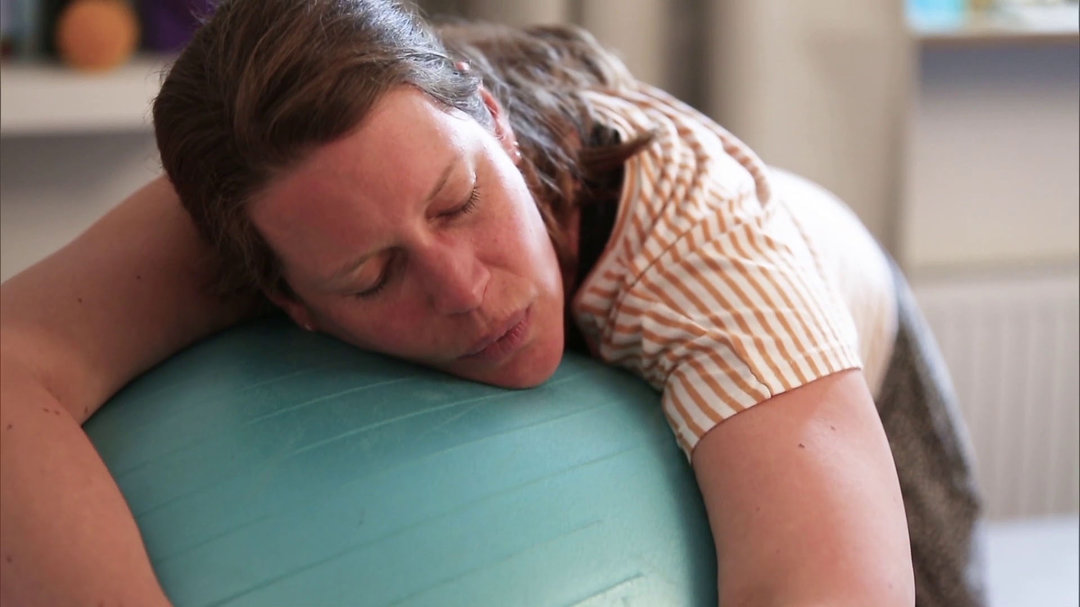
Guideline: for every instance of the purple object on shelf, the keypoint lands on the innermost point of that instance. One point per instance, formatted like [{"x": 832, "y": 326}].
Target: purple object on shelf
[{"x": 168, "y": 24}]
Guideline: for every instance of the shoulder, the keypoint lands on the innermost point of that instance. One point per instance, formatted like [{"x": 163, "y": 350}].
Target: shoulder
[{"x": 127, "y": 293}]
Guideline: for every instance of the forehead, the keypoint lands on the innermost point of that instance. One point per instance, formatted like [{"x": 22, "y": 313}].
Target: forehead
[
  {"x": 365, "y": 180},
  {"x": 404, "y": 137}
]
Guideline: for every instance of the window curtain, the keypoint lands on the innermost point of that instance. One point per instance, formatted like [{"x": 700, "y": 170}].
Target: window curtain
[{"x": 819, "y": 88}]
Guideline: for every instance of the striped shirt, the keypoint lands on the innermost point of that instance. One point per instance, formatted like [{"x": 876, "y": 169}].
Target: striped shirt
[{"x": 724, "y": 282}]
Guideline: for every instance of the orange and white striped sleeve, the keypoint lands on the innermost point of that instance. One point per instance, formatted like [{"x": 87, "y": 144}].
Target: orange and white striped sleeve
[{"x": 705, "y": 289}]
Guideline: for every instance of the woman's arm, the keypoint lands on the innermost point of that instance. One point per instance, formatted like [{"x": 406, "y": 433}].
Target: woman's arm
[
  {"x": 67, "y": 536},
  {"x": 75, "y": 328},
  {"x": 804, "y": 502}
]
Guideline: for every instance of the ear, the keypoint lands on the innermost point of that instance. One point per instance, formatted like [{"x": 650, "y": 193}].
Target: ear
[
  {"x": 503, "y": 131},
  {"x": 297, "y": 310}
]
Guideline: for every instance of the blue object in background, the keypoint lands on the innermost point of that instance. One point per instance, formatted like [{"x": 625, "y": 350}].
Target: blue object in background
[
  {"x": 270, "y": 466},
  {"x": 937, "y": 13}
]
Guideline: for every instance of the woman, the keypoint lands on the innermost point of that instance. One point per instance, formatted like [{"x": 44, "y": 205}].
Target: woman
[{"x": 455, "y": 205}]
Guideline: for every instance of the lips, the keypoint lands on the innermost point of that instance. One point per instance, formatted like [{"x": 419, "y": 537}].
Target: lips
[{"x": 502, "y": 341}]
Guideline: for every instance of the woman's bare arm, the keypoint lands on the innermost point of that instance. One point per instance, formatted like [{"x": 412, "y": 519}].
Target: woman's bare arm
[
  {"x": 127, "y": 293},
  {"x": 75, "y": 328},
  {"x": 804, "y": 502}
]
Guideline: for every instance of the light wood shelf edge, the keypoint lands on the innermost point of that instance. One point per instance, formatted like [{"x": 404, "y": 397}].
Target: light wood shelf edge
[{"x": 41, "y": 98}]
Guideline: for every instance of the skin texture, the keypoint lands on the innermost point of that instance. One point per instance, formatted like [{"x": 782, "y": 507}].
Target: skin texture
[
  {"x": 804, "y": 502},
  {"x": 454, "y": 250}
]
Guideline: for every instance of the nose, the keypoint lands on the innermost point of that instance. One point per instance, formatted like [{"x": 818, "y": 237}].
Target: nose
[{"x": 452, "y": 276}]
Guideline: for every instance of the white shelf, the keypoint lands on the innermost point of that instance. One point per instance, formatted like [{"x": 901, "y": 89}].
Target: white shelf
[
  {"x": 48, "y": 98},
  {"x": 1019, "y": 25}
]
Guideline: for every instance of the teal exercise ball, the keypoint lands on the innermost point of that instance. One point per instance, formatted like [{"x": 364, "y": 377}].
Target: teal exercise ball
[{"x": 268, "y": 466}]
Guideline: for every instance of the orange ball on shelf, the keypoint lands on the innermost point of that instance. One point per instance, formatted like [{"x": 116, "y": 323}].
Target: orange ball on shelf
[{"x": 96, "y": 35}]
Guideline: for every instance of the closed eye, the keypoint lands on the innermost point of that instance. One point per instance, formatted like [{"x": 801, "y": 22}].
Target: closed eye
[
  {"x": 467, "y": 207},
  {"x": 373, "y": 290},
  {"x": 379, "y": 284}
]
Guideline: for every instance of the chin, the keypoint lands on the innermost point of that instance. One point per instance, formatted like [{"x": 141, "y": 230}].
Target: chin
[
  {"x": 533, "y": 367},
  {"x": 534, "y": 375}
]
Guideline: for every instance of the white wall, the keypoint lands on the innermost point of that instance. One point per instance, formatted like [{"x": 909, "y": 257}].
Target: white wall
[
  {"x": 819, "y": 88},
  {"x": 989, "y": 238},
  {"x": 54, "y": 187},
  {"x": 993, "y": 158}
]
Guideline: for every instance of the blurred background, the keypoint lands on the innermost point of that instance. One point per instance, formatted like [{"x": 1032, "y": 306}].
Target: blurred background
[{"x": 952, "y": 127}]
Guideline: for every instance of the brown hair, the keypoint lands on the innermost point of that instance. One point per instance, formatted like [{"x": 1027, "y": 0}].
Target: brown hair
[{"x": 263, "y": 82}]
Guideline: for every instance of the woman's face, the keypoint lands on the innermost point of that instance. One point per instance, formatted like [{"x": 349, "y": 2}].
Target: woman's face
[{"x": 416, "y": 236}]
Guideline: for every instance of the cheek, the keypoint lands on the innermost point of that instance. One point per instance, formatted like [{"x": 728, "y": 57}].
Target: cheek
[
  {"x": 393, "y": 331},
  {"x": 547, "y": 262},
  {"x": 521, "y": 219},
  {"x": 530, "y": 243}
]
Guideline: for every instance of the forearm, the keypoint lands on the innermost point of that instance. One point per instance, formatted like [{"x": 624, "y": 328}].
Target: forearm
[{"x": 66, "y": 535}]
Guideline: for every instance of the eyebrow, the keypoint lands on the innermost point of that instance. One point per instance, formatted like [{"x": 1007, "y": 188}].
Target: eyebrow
[{"x": 353, "y": 264}]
